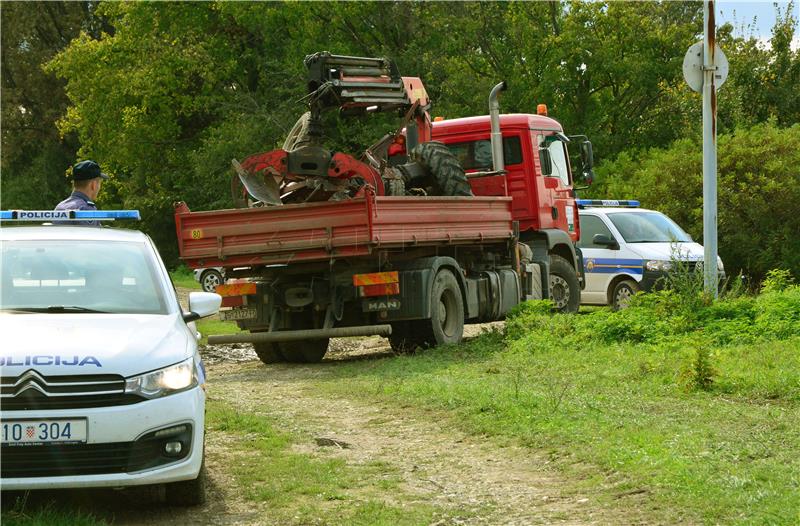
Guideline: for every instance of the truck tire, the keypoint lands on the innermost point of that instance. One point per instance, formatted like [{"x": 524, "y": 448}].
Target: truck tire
[
  {"x": 268, "y": 352},
  {"x": 446, "y": 324},
  {"x": 443, "y": 168},
  {"x": 306, "y": 351},
  {"x": 565, "y": 291},
  {"x": 622, "y": 293},
  {"x": 406, "y": 337}
]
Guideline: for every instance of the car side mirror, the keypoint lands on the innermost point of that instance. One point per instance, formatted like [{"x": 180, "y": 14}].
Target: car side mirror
[
  {"x": 202, "y": 304},
  {"x": 606, "y": 241}
]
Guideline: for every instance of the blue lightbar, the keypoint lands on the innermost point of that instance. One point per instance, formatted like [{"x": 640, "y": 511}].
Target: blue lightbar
[
  {"x": 68, "y": 215},
  {"x": 584, "y": 203}
]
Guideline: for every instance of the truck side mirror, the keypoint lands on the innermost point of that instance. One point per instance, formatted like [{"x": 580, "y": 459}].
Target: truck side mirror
[
  {"x": 587, "y": 157},
  {"x": 547, "y": 163}
]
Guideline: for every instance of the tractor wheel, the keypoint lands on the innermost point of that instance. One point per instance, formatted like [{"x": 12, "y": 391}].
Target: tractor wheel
[
  {"x": 565, "y": 290},
  {"x": 443, "y": 168},
  {"x": 268, "y": 352},
  {"x": 305, "y": 351}
]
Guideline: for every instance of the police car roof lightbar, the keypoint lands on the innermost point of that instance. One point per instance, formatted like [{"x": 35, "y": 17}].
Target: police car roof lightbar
[
  {"x": 585, "y": 203},
  {"x": 68, "y": 215}
]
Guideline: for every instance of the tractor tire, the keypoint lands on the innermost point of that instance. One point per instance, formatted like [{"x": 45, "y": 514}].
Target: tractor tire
[
  {"x": 268, "y": 352},
  {"x": 565, "y": 290},
  {"x": 306, "y": 351},
  {"x": 442, "y": 166}
]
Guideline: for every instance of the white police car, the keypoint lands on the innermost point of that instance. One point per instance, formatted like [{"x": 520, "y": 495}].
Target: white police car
[
  {"x": 627, "y": 249},
  {"x": 102, "y": 383}
]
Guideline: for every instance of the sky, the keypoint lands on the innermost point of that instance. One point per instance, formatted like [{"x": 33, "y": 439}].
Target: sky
[{"x": 741, "y": 13}]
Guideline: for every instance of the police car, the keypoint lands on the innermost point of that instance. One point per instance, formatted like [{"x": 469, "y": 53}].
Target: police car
[
  {"x": 627, "y": 249},
  {"x": 102, "y": 383}
]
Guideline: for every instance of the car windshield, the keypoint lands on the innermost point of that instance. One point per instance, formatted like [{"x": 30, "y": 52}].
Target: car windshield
[
  {"x": 60, "y": 276},
  {"x": 648, "y": 227}
]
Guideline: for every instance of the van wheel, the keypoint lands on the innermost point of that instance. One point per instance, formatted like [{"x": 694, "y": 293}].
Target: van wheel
[
  {"x": 268, "y": 352},
  {"x": 188, "y": 492},
  {"x": 304, "y": 351},
  {"x": 622, "y": 293},
  {"x": 446, "y": 324},
  {"x": 565, "y": 291}
]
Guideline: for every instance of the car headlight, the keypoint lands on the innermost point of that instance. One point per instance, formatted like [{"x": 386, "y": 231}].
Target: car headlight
[
  {"x": 163, "y": 382},
  {"x": 658, "y": 265}
]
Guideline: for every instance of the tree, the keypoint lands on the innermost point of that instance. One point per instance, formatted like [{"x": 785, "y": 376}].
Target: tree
[{"x": 34, "y": 156}]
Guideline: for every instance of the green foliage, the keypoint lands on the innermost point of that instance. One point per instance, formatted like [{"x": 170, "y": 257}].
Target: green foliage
[
  {"x": 777, "y": 280},
  {"x": 759, "y": 186},
  {"x": 48, "y": 515}
]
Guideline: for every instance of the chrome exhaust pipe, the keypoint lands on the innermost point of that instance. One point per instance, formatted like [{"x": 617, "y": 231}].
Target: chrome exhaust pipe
[{"x": 498, "y": 163}]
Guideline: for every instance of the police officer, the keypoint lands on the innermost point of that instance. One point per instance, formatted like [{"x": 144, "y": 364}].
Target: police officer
[{"x": 86, "y": 181}]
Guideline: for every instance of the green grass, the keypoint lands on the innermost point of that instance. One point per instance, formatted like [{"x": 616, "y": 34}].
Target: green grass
[
  {"x": 615, "y": 399},
  {"x": 183, "y": 277},
  {"x": 20, "y": 515},
  {"x": 207, "y": 327},
  {"x": 304, "y": 489}
]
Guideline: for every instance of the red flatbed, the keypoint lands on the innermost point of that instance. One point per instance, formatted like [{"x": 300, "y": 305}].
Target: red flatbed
[{"x": 321, "y": 231}]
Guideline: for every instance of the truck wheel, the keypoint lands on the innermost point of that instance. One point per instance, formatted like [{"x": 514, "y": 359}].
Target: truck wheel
[
  {"x": 565, "y": 291},
  {"x": 446, "y": 324},
  {"x": 306, "y": 351},
  {"x": 443, "y": 167},
  {"x": 268, "y": 352},
  {"x": 622, "y": 293},
  {"x": 406, "y": 337}
]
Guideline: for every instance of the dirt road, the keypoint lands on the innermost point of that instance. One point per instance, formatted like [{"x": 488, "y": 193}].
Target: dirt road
[{"x": 472, "y": 480}]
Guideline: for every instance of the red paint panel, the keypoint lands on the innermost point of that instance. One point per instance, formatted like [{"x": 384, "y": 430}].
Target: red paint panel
[
  {"x": 320, "y": 231},
  {"x": 232, "y": 301}
]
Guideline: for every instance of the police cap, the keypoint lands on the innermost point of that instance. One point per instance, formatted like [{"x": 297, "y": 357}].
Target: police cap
[{"x": 86, "y": 170}]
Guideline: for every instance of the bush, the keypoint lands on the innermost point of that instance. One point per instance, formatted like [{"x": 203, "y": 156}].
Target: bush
[{"x": 758, "y": 186}]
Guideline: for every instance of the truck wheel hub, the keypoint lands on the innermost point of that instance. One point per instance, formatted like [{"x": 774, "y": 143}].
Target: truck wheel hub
[{"x": 559, "y": 291}]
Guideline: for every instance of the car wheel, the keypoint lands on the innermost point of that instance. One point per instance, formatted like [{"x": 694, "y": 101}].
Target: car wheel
[
  {"x": 622, "y": 293},
  {"x": 210, "y": 279},
  {"x": 188, "y": 492},
  {"x": 565, "y": 290}
]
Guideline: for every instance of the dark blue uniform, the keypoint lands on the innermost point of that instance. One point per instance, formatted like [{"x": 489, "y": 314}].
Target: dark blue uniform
[{"x": 77, "y": 201}]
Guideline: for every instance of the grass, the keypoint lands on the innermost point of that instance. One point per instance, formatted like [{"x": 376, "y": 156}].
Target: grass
[
  {"x": 48, "y": 515},
  {"x": 693, "y": 404},
  {"x": 183, "y": 277},
  {"x": 304, "y": 489},
  {"x": 207, "y": 327}
]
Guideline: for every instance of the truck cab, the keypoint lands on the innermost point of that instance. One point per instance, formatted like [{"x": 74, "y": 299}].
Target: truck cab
[{"x": 538, "y": 177}]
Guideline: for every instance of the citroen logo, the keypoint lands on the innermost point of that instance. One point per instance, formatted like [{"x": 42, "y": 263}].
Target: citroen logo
[{"x": 30, "y": 380}]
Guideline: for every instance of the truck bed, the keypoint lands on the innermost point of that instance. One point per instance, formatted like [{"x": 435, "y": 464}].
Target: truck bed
[{"x": 307, "y": 232}]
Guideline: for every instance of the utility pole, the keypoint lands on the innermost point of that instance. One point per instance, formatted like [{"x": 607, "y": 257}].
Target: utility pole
[{"x": 705, "y": 69}]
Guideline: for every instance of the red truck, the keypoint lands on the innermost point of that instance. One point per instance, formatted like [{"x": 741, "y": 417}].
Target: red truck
[{"x": 333, "y": 246}]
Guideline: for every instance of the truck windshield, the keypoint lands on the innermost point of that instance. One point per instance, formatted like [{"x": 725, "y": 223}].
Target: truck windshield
[
  {"x": 59, "y": 276},
  {"x": 648, "y": 227}
]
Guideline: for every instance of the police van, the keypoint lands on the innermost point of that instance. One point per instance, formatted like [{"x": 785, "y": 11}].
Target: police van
[
  {"x": 102, "y": 383},
  {"x": 627, "y": 249}
]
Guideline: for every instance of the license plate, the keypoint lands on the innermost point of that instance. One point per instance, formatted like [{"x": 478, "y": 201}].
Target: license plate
[
  {"x": 238, "y": 314},
  {"x": 21, "y": 432}
]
